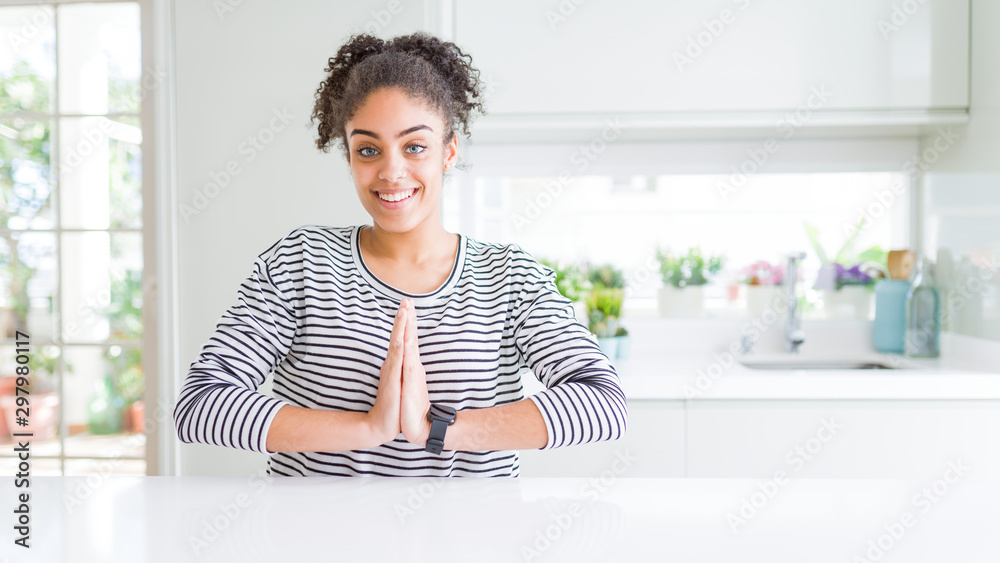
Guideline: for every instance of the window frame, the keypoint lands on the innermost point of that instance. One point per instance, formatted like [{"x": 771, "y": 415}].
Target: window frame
[{"x": 155, "y": 118}]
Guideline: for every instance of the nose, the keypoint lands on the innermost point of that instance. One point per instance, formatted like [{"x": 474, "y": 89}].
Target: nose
[{"x": 393, "y": 169}]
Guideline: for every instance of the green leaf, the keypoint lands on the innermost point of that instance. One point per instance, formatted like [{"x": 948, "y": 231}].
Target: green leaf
[
  {"x": 813, "y": 234},
  {"x": 873, "y": 254},
  {"x": 844, "y": 254}
]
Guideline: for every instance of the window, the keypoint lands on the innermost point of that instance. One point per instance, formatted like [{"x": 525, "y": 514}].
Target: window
[
  {"x": 71, "y": 233},
  {"x": 622, "y": 220}
]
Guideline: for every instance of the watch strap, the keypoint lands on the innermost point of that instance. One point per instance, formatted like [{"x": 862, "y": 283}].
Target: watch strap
[
  {"x": 435, "y": 441},
  {"x": 441, "y": 417}
]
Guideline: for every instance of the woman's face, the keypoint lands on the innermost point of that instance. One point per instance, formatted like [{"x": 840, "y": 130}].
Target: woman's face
[{"x": 396, "y": 150}]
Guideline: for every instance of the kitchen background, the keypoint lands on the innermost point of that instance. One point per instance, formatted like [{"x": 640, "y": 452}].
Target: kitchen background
[{"x": 152, "y": 149}]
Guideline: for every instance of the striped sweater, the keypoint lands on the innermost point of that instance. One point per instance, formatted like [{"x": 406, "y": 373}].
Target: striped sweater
[{"x": 313, "y": 313}]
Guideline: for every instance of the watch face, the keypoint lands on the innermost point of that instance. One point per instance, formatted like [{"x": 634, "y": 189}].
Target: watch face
[{"x": 442, "y": 412}]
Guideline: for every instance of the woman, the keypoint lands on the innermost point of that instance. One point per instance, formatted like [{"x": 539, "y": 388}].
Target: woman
[{"x": 381, "y": 335}]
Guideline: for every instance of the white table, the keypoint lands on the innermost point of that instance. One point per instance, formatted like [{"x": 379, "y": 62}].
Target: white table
[{"x": 474, "y": 520}]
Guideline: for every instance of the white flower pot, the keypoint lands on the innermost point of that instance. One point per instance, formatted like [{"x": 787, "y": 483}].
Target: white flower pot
[
  {"x": 850, "y": 301},
  {"x": 624, "y": 345},
  {"x": 760, "y": 298},
  {"x": 683, "y": 302},
  {"x": 609, "y": 346}
]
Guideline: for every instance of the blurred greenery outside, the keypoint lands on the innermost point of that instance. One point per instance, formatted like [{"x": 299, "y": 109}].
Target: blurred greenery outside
[{"x": 29, "y": 216}]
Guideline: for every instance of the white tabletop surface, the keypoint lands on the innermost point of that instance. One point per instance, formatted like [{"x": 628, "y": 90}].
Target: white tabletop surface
[{"x": 475, "y": 520}]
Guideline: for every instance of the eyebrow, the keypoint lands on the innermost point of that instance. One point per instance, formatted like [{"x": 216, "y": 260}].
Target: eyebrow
[{"x": 398, "y": 135}]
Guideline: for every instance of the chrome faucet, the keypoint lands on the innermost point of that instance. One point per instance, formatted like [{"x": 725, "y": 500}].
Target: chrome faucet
[{"x": 794, "y": 336}]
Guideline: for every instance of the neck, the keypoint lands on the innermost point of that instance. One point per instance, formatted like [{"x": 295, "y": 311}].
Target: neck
[{"x": 424, "y": 243}]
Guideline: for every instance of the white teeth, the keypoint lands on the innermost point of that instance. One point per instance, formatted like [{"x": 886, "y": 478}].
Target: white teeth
[{"x": 397, "y": 196}]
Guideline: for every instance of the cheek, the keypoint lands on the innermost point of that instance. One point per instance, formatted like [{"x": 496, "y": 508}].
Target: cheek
[{"x": 361, "y": 173}]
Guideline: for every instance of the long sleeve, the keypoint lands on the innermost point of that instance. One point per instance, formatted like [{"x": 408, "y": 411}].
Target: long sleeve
[
  {"x": 583, "y": 401},
  {"x": 218, "y": 403}
]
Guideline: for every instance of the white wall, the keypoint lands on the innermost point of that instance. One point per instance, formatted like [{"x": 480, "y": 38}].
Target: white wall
[
  {"x": 232, "y": 74},
  {"x": 962, "y": 188}
]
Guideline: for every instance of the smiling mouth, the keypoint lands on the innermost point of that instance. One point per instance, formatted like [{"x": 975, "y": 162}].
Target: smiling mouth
[{"x": 397, "y": 196}]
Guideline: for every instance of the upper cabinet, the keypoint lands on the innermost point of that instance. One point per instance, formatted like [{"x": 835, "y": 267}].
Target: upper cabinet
[{"x": 870, "y": 57}]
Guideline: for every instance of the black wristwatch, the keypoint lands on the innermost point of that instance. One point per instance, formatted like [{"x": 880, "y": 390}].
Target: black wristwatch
[{"x": 441, "y": 417}]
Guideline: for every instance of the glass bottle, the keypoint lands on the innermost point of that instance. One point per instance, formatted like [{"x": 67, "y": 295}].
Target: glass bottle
[
  {"x": 923, "y": 313},
  {"x": 889, "y": 326}
]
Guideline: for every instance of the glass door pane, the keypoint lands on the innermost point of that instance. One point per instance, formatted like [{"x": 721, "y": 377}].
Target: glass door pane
[
  {"x": 26, "y": 187},
  {"x": 102, "y": 386},
  {"x": 27, "y": 59},
  {"x": 99, "y": 58}
]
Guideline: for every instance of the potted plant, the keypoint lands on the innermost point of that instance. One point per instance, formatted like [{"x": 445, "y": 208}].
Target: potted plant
[
  {"x": 129, "y": 384},
  {"x": 572, "y": 284},
  {"x": 847, "y": 280},
  {"x": 624, "y": 343},
  {"x": 43, "y": 397},
  {"x": 853, "y": 290},
  {"x": 762, "y": 282},
  {"x": 604, "y": 305},
  {"x": 684, "y": 276},
  {"x": 606, "y": 276}
]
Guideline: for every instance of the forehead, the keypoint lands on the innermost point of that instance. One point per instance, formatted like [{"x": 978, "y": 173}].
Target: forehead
[{"x": 391, "y": 110}]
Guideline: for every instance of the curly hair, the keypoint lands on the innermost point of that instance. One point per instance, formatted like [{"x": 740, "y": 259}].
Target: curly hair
[{"x": 436, "y": 72}]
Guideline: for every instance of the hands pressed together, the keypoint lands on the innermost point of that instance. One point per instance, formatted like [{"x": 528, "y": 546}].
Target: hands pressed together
[{"x": 402, "y": 402}]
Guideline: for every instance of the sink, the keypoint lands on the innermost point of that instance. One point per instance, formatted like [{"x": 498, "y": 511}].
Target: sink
[{"x": 820, "y": 362}]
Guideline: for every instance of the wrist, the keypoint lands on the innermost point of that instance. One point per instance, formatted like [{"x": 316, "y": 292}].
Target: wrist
[
  {"x": 372, "y": 434},
  {"x": 453, "y": 437}
]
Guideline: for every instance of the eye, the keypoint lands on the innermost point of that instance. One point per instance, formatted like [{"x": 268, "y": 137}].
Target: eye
[
  {"x": 415, "y": 146},
  {"x": 361, "y": 151}
]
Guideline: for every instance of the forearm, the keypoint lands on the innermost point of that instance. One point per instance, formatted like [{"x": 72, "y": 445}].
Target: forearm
[
  {"x": 298, "y": 429},
  {"x": 514, "y": 426}
]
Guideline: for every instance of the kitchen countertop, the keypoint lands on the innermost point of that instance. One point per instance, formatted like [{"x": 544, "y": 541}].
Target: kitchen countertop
[
  {"x": 715, "y": 376},
  {"x": 528, "y": 519},
  {"x": 698, "y": 359}
]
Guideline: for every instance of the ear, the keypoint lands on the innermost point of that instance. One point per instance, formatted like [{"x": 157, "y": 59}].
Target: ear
[{"x": 451, "y": 150}]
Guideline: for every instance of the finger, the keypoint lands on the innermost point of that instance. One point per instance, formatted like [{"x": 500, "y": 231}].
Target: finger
[
  {"x": 398, "y": 325},
  {"x": 412, "y": 351},
  {"x": 411, "y": 355},
  {"x": 396, "y": 339},
  {"x": 411, "y": 325}
]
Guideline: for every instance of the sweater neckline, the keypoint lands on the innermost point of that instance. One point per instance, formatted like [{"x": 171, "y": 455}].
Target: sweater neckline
[{"x": 456, "y": 269}]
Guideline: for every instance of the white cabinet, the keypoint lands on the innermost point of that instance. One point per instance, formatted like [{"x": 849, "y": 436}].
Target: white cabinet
[
  {"x": 632, "y": 57},
  {"x": 653, "y": 446},
  {"x": 841, "y": 439},
  {"x": 801, "y": 438}
]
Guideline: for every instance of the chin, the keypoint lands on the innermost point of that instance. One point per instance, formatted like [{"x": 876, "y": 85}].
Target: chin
[{"x": 394, "y": 224}]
